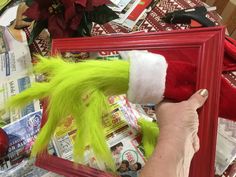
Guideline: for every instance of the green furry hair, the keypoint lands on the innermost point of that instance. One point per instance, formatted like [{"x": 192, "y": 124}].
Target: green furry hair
[
  {"x": 80, "y": 90},
  {"x": 150, "y": 133}
]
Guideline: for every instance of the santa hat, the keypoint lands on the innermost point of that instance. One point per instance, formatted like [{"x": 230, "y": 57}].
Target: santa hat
[
  {"x": 228, "y": 89},
  {"x": 229, "y": 62},
  {"x": 152, "y": 78}
]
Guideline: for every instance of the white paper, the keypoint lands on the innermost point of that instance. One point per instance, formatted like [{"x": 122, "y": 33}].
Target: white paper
[
  {"x": 11, "y": 86},
  {"x": 126, "y": 11},
  {"x": 11, "y": 66},
  {"x": 119, "y": 5},
  {"x": 226, "y": 145},
  {"x": 115, "y": 2},
  {"x": 130, "y": 23},
  {"x": 8, "y": 16}
]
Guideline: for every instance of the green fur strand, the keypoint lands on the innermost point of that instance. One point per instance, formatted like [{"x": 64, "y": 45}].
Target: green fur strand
[{"x": 79, "y": 90}]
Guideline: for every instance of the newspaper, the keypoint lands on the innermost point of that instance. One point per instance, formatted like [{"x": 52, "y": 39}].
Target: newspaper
[
  {"x": 118, "y": 5},
  {"x": 64, "y": 138},
  {"x": 15, "y": 56},
  {"x": 137, "y": 22},
  {"x": 15, "y": 64},
  {"x": 11, "y": 86},
  {"x": 138, "y": 14},
  {"x": 115, "y": 2},
  {"x": 10, "y": 65},
  {"x": 122, "y": 133},
  {"x": 3, "y": 47},
  {"x": 226, "y": 145},
  {"x": 105, "y": 55},
  {"x": 126, "y": 11},
  {"x": 133, "y": 13},
  {"x": 22, "y": 134}
]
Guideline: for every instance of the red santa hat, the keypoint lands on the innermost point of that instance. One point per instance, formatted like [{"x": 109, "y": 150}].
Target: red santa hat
[
  {"x": 228, "y": 89},
  {"x": 229, "y": 62},
  {"x": 153, "y": 78}
]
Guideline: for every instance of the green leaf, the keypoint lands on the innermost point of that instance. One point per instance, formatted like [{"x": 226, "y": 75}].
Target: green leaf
[
  {"x": 38, "y": 27},
  {"x": 85, "y": 27},
  {"x": 102, "y": 15},
  {"x": 29, "y": 2},
  {"x": 88, "y": 28}
]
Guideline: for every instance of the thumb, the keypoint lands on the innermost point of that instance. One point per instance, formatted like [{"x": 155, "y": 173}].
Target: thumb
[{"x": 198, "y": 98}]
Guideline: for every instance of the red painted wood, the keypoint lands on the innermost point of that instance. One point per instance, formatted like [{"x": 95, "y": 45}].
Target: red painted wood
[
  {"x": 201, "y": 46},
  {"x": 67, "y": 168}
]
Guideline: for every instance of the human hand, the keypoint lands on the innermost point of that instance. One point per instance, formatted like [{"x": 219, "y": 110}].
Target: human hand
[
  {"x": 20, "y": 22},
  {"x": 178, "y": 123}
]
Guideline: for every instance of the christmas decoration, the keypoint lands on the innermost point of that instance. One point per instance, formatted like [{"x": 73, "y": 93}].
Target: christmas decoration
[{"x": 67, "y": 18}]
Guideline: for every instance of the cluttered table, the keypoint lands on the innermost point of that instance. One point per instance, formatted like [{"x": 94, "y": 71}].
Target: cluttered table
[{"x": 146, "y": 18}]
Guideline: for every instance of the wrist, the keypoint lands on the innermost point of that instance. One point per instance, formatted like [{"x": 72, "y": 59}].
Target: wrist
[
  {"x": 180, "y": 151},
  {"x": 175, "y": 135}
]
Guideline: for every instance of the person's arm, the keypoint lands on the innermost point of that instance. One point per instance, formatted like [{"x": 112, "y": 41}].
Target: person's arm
[{"x": 178, "y": 140}]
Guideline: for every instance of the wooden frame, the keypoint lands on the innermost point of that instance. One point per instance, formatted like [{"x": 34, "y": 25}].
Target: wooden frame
[{"x": 207, "y": 50}]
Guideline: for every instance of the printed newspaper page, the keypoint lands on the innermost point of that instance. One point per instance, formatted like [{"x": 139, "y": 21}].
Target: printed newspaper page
[
  {"x": 122, "y": 134},
  {"x": 22, "y": 134},
  {"x": 10, "y": 87},
  {"x": 15, "y": 64},
  {"x": 226, "y": 145}
]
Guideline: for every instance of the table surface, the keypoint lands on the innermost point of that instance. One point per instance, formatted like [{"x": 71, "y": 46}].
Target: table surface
[{"x": 153, "y": 21}]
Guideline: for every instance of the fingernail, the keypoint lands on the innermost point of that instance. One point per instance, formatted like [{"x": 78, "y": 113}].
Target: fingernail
[{"x": 203, "y": 92}]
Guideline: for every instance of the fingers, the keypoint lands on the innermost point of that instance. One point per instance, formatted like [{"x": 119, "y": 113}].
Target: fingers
[{"x": 198, "y": 98}]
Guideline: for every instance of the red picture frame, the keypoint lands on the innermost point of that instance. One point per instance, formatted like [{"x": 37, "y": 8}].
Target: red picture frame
[{"x": 201, "y": 46}]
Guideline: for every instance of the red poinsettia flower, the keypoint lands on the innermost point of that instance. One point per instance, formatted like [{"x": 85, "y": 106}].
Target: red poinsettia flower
[{"x": 63, "y": 16}]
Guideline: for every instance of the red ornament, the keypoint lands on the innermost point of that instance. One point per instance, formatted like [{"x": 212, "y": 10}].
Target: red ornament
[{"x": 4, "y": 143}]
